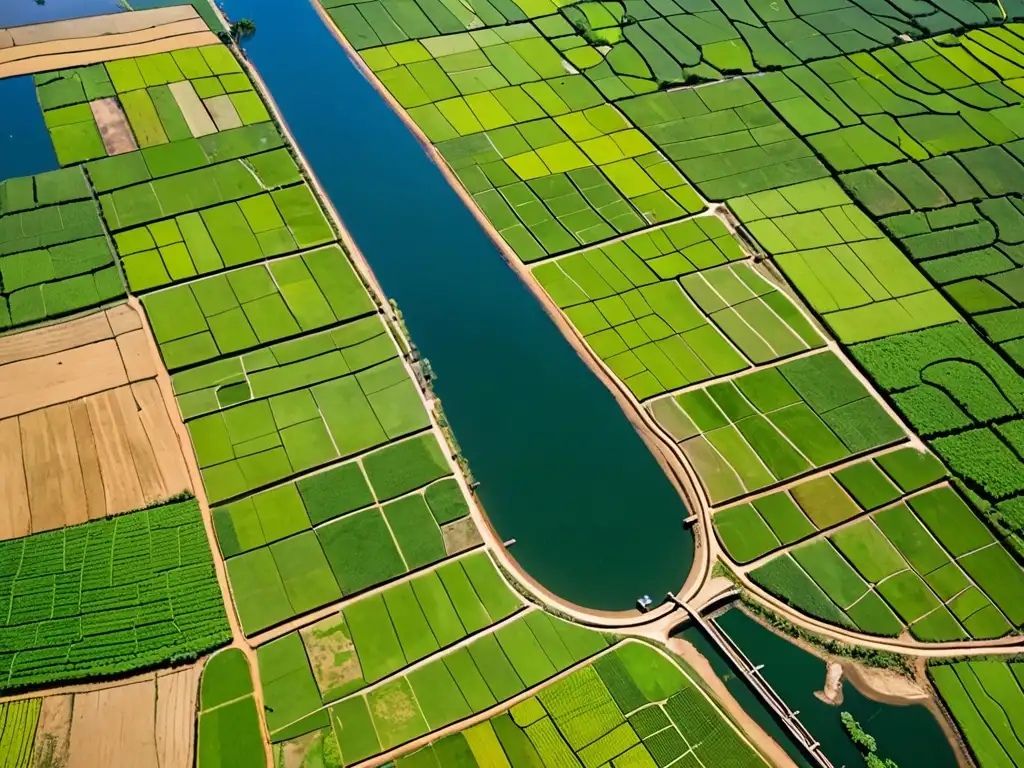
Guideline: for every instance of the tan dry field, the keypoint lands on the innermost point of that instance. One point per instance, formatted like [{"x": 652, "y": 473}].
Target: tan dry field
[
  {"x": 223, "y": 112},
  {"x": 64, "y": 44},
  {"x": 147, "y": 723},
  {"x": 114, "y": 130},
  {"x": 196, "y": 117},
  {"x": 84, "y": 429}
]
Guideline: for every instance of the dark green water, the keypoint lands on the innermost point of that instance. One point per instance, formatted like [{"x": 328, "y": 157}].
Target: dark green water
[
  {"x": 909, "y": 735},
  {"x": 561, "y": 469}
]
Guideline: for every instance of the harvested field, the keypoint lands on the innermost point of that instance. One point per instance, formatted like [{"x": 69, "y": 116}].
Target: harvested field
[
  {"x": 87, "y": 432},
  {"x": 65, "y": 44},
  {"x": 148, "y": 722},
  {"x": 114, "y": 129}
]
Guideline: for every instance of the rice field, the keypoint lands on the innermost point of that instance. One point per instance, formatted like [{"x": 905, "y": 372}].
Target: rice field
[
  {"x": 630, "y": 707},
  {"x": 776, "y": 423},
  {"x": 421, "y": 654},
  {"x": 924, "y": 563},
  {"x": 750, "y": 530},
  {"x": 985, "y": 699},
  {"x": 672, "y": 307},
  {"x": 228, "y": 725}
]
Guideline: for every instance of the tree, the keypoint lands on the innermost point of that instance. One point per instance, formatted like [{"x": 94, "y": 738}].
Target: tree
[
  {"x": 865, "y": 742},
  {"x": 242, "y": 29}
]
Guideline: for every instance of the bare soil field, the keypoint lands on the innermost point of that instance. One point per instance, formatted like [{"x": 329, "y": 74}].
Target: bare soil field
[
  {"x": 85, "y": 431},
  {"x": 64, "y": 44}
]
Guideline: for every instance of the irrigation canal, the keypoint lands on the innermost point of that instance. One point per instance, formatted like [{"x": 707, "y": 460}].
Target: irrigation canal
[
  {"x": 909, "y": 735},
  {"x": 595, "y": 519}
]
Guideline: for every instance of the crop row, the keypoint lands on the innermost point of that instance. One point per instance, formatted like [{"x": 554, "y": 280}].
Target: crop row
[
  {"x": 927, "y": 563},
  {"x": 108, "y": 596}
]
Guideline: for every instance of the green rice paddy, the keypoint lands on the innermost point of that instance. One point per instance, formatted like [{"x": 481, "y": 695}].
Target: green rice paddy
[
  {"x": 630, "y": 707},
  {"x": 774, "y": 424},
  {"x": 924, "y": 562},
  {"x": 479, "y": 644},
  {"x": 874, "y": 164},
  {"x": 984, "y": 698}
]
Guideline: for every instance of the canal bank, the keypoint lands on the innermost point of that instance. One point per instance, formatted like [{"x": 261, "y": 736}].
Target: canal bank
[
  {"x": 797, "y": 675},
  {"x": 596, "y": 520}
]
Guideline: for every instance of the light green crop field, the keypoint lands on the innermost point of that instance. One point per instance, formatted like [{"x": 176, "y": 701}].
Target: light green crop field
[
  {"x": 810, "y": 279},
  {"x": 629, "y": 707}
]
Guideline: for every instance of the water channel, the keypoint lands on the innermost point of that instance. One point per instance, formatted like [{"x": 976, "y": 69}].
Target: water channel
[
  {"x": 562, "y": 471},
  {"x": 909, "y": 735}
]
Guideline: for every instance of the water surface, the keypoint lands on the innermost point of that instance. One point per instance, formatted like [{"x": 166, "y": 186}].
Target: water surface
[
  {"x": 563, "y": 472},
  {"x": 25, "y": 146},
  {"x": 14, "y": 13},
  {"x": 908, "y": 735}
]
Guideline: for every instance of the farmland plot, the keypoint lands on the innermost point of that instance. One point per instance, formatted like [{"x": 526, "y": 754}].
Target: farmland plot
[
  {"x": 110, "y": 596},
  {"x": 54, "y": 258},
  {"x": 229, "y": 727},
  {"x": 629, "y": 707},
  {"x": 657, "y": 333},
  {"x": 88, "y": 728},
  {"x": 925, "y": 562},
  {"x": 985, "y": 700},
  {"x": 753, "y": 529},
  {"x": 376, "y": 637},
  {"x": 114, "y": 108},
  {"x": 775, "y": 423}
]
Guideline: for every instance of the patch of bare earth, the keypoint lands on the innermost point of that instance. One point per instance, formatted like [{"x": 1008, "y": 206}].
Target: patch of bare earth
[
  {"x": 332, "y": 655},
  {"x": 460, "y": 535},
  {"x": 177, "y": 696},
  {"x": 115, "y": 727},
  {"x": 53, "y": 733}
]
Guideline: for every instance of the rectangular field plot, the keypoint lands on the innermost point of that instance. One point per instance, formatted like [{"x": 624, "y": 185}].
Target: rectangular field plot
[
  {"x": 209, "y": 186},
  {"x": 369, "y": 23},
  {"x": 336, "y": 522},
  {"x": 109, "y": 596},
  {"x": 255, "y": 142},
  {"x": 54, "y": 258},
  {"x": 775, "y": 423},
  {"x": 117, "y": 107},
  {"x": 255, "y": 305},
  {"x": 972, "y": 250},
  {"x": 756, "y": 528},
  {"x": 631, "y": 707},
  {"x": 912, "y": 564},
  {"x": 551, "y": 185},
  {"x": 724, "y": 139},
  {"x": 985, "y": 700},
  {"x": 377, "y": 636},
  {"x": 224, "y": 236},
  {"x": 490, "y": 669},
  {"x": 841, "y": 263},
  {"x": 657, "y": 334},
  {"x": 651, "y": 333},
  {"x": 261, "y": 441},
  {"x": 369, "y": 644}
]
